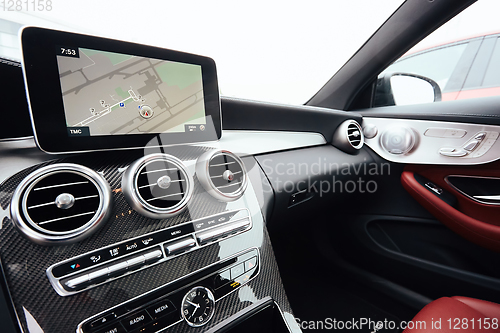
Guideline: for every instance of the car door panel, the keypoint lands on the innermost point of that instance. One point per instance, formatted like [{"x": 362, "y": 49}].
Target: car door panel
[{"x": 410, "y": 235}]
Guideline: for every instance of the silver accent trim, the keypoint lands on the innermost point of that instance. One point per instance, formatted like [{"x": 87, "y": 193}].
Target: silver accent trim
[
  {"x": 65, "y": 218},
  {"x": 152, "y": 255},
  {"x": 60, "y": 185},
  {"x": 80, "y": 325},
  {"x": 210, "y": 297},
  {"x": 23, "y": 66},
  {"x": 474, "y": 198},
  {"x": 341, "y": 137},
  {"x": 219, "y": 231},
  {"x": 203, "y": 175},
  {"x": 427, "y": 150},
  {"x": 130, "y": 188},
  {"x": 181, "y": 245},
  {"x": 117, "y": 267},
  {"x": 77, "y": 281},
  {"x": 56, "y": 284},
  {"x": 18, "y": 206},
  {"x": 488, "y": 197},
  {"x": 99, "y": 273}
]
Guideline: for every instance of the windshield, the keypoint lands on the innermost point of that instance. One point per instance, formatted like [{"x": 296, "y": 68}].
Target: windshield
[{"x": 270, "y": 51}]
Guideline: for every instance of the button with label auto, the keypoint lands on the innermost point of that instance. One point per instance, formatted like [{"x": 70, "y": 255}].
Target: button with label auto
[
  {"x": 135, "y": 262},
  {"x": 179, "y": 246},
  {"x": 161, "y": 309},
  {"x": 101, "y": 321},
  {"x": 250, "y": 263},
  {"x": 136, "y": 320},
  {"x": 237, "y": 271}
]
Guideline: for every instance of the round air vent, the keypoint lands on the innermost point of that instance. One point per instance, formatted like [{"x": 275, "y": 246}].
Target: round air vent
[
  {"x": 60, "y": 203},
  {"x": 222, "y": 174},
  {"x": 348, "y": 137},
  {"x": 157, "y": 186}
]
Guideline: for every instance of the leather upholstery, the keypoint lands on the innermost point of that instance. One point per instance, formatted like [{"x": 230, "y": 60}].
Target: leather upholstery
[{"x": 446, "y": 309}]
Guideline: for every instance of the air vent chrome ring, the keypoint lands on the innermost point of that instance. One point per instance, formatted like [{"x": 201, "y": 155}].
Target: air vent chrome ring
[
  {"x": 229, "y": 172},
  {"x": 86, "y": 211},
  {"x": 157, "y": 186},
  {"x": 349, "y": 137}
]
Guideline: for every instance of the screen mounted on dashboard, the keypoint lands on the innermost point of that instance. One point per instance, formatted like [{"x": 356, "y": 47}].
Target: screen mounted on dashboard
[{"x": 88, "y": 93}]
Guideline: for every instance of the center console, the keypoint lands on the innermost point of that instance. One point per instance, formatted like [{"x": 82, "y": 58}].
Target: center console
[{"x": 143, "y": 222}]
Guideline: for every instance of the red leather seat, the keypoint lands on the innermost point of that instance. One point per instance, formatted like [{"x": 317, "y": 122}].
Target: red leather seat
[{"x": 457, "y": 314}]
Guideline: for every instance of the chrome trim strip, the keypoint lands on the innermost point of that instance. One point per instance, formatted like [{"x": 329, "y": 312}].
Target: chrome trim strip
[
  {"x": 64, "y": 218},
  {"x": 60, "y": 185},
  {"x": 488, "y": 197},
  {"x": 80, "y": 325},
  {"x": 56, "y": 282}
]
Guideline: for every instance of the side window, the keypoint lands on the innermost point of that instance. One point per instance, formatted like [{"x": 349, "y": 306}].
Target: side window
[
  {"x": 460, "y": 60},
  {"x": 437, "y": 64},
  {"x": 492, "y": 77}
]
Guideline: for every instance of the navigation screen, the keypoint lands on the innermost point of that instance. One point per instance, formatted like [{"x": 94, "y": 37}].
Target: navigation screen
[{"x": 107, "y": 93}]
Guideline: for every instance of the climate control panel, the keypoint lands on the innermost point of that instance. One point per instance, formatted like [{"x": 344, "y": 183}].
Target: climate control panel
[{"x": 115, "y": 261}]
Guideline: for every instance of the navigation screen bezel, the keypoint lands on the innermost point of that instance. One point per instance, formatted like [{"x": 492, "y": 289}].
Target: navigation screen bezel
[{"x": 43, "y": 88}]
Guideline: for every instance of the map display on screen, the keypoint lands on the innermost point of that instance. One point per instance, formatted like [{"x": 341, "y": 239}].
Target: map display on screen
[{"x": 106, "y": 93}]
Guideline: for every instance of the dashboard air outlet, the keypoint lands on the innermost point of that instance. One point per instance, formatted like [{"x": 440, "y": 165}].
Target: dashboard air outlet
[
  {"x": 348, "y": 137},
  {"x": 60, "y": 203},
  {"x": 157, "y": 186},
  {"x": 222, "y": 174}
]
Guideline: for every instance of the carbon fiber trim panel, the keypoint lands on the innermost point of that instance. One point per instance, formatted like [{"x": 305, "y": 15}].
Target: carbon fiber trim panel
[{"x": 25, "y": 262}]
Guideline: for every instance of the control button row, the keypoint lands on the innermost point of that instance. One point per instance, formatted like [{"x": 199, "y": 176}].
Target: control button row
[
  {"x": 211, "y": 235},
  {"x": 235, "y": 272},
  {"x": 116, "y": 251},
  {"x": 219, "y": 219},
  {"x": 132, "y": 321},
  {"x": 113, "y": 270},
  {"x": 475, "y": 147}
]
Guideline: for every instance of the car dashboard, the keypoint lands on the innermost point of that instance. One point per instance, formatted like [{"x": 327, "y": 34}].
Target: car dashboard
[{"x": 132, "y": 274}]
